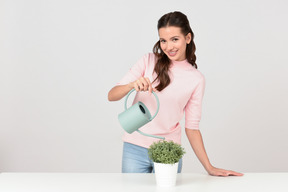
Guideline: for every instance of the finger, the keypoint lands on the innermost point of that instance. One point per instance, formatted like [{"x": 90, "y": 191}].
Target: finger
[
  {"x": 145, "y": 83},
  {"x": 150, "y": 89},
  {"x": 140, "y": 84},
  {"x": 136, "y": 87},
  {"x": 220, "y": 173},
  {"x": 223, "y": 174},
  {"x": 233, "y": 173}
]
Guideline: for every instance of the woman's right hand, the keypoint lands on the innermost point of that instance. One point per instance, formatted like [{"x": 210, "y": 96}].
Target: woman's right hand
[
  {"x": 119, "y": 91},
  {"x": 142, "y": 84}
]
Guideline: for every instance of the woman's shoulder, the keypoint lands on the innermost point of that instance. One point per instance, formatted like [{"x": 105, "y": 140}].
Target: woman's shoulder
[
  {"x": 199, "y": 73},
  {"x": 149, "y": 57},
  {"x": 145, "y": 63},
  {"x": 195, "y": 74}
]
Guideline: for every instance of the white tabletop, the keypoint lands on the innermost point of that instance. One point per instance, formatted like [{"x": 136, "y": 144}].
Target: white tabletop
[{"x": 106, "y": 182}]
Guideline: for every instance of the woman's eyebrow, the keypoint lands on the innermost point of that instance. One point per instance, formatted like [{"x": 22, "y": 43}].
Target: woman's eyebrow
[{"x": 170, "y": 38}]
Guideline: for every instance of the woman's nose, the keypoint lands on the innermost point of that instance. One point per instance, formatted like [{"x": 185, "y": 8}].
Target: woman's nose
[{"x": 169, "y": 46}]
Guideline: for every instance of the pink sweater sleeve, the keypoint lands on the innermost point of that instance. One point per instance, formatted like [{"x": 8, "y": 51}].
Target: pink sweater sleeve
[
  {"x": 135, "y": 72},
  {"x": 193, "y": 108}
]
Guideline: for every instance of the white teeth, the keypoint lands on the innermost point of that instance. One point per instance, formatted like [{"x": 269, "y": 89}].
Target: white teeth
[{"x": 172, "y": 53}]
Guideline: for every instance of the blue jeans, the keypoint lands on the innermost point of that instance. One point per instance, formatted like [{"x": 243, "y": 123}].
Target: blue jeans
[{"x": 135, "y": 159}]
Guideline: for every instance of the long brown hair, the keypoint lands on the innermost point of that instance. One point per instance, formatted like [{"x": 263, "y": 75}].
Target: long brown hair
[{"x": 176, "y": 19}]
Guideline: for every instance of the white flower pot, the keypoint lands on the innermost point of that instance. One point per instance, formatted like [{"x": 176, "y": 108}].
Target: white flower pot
[{"x": 166, "y": 174}]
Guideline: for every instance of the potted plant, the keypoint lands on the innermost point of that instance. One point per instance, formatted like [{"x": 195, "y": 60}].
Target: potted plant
[{"x": 166, "y": 156}]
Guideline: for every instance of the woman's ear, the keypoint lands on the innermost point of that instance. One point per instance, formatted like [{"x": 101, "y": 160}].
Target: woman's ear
[{"x": 188, "y": 38}]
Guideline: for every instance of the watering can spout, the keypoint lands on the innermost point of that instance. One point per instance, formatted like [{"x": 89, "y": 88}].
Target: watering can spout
[
  {"x": 137, "y": 116},
  {"x": 158, "y": 137}
]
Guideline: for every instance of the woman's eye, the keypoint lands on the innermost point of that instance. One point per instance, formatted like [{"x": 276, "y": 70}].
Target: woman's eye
[
  {"x": 162, "y": 41},
  {"x": 174, "y": 40}
]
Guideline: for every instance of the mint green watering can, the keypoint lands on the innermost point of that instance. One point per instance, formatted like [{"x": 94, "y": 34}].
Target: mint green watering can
[{"x": 136, "y": 116}]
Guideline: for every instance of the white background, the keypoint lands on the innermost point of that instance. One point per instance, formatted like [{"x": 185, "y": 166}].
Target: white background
[{"x": 59, "y": 59}]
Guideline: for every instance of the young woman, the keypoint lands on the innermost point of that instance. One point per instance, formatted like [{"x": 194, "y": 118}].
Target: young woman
[{"x": 172, "y": 73}]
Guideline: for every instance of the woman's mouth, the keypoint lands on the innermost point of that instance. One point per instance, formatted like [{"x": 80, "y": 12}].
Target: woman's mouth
[{"x": 172, "y": 53}]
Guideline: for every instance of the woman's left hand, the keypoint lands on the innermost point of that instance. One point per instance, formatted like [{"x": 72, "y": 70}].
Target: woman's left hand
[{"x": 222, "y": 172}]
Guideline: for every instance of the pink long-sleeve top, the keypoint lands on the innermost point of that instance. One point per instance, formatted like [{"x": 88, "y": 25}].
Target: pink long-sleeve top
[{"x": 184, "y": 94}]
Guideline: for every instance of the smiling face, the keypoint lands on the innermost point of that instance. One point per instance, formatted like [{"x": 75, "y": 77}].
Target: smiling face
[{"x": 173, "y": 42}]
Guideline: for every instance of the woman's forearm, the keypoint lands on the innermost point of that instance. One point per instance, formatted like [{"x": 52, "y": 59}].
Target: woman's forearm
[
  {"x": 195, "y": 139},
  {"x": 196, "y": 142},
  {"x": 119, "y": 91}
]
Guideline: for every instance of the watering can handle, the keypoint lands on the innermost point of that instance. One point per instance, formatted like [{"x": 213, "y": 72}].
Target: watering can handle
[{"x": 158, "y": 104}]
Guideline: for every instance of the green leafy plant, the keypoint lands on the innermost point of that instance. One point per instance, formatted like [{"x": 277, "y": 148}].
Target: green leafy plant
[{"x": 166, "y": 152}]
